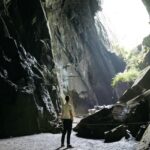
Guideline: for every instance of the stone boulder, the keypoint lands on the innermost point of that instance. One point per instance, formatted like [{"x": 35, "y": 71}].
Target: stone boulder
[
  {"x": 116, "y": 134},
  {"x": 142, "y": 82},
  {"x": 145, "y": 141},
  {"x": 133, "y": 114},
  {"x": 141, "y": 132},
  {"x": 140, "y": 85},
  {"x": 95, "y": 125}
]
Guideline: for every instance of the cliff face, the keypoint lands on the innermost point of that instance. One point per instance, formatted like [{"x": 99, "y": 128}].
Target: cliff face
[
  {"x": 147, "y": 5},
  {"x": 132, "y": 112},
  {"x": 146, "y": 40},
  {"x": 84, "y": 65},
  {"x": 28, "y": 87},
  {"x": 32, "y": 56}
]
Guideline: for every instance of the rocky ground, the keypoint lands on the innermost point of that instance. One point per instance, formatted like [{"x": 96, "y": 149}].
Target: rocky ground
[
  {"x": 52, "y": 142},
  {"x": 47, "y": 141}
]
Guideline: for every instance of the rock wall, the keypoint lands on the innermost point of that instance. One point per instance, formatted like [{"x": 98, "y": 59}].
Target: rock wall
[
  {"x": 28, "y": 86},
  {"x": 145, "y": 141},
  {"x": 84, "y": 65},
  {"x": 146, "y": 40},
  {"x": 129, "y": 116},
  {"x": 35, "y": 52},
  {"x": 147, "y": 5}
]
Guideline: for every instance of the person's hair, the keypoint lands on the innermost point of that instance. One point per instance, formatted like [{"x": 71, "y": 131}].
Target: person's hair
[{"x": 67, "y": 98}]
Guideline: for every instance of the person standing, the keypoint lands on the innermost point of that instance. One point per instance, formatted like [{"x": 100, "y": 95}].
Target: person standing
[{"x": 67, "y": 120}]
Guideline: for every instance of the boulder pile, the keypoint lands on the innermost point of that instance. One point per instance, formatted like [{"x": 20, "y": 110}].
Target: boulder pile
[{"x": 129, "y": 116}]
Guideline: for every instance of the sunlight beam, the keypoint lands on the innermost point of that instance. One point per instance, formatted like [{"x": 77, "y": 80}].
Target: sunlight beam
[{"x": 128, "y": 20}]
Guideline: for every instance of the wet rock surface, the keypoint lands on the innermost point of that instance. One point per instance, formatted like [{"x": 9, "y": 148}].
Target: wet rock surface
[{"x": 28, "y": 87}]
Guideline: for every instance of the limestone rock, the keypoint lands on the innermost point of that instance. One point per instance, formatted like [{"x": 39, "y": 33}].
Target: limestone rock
[
  {"x": 95, "y": 125},
  {"x": 147, "y": 4},
  {"x": 141, "y": 132},
  {"x": 116, "y": 134},
  {"x": 142, "y": 81},
  {"x": 28, "y": 102},
  {"x": 133, "y": 114},
  {"x": 140, "y": 85},
  {"x": 86, "y": 67},
  {"x": 145, "y": 141}
]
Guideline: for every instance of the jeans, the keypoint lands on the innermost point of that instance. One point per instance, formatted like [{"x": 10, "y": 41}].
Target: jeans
[{"x": 67, "y": 127}]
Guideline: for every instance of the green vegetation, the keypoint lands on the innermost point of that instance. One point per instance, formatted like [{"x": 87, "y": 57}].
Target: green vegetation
[
  {"x": 134, "y": 60},
  {"x": 120, "y": 51},
  {"x": 128, "y": 76}
]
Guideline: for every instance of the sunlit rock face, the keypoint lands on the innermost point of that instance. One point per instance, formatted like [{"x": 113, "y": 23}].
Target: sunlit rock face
[
  {"x": 146, "y": 47},
  {"x": 28, "y": 87},
  {"x": 132, "y": 110},
  {"x": 85, "y": 68},
  {"x": 146, "y": 40},
  {"x": 147, "y": 5}
]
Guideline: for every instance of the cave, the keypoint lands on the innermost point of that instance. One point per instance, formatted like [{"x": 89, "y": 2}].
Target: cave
[{"x": 53, "y": 48}]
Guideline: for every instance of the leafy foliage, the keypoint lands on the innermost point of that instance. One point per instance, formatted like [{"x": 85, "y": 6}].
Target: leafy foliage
[
  {"x": 136, "y": 61},
  {"x": 128, "y": 76},
  {"x": 133, "y": 60},
  {"x": 120, "y": 51}
]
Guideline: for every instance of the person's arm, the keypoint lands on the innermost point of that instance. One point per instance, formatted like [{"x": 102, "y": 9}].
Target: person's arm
[
  {"x": 71, "y": 112},
  {"x": 62, "y": 112}
]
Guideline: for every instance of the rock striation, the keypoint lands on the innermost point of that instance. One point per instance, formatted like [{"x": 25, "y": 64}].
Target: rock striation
[
  {"x": 86, "y": 67},
  {"x": 29, "y": 102}
]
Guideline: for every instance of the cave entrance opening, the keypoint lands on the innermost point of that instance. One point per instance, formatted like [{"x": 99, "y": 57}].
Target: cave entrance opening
[{"x": 126, "y": 22}]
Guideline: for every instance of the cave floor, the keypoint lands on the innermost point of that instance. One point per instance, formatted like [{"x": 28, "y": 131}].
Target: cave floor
[{"x": 46, "y": 141}]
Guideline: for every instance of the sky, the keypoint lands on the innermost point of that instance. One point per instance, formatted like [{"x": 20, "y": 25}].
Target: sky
[{"x": 128, "y": 20}]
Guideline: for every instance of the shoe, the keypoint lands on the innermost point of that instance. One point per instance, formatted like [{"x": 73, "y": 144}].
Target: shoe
[
  {"x": 69, "y": 146},
  {"x": 62, "y": 145}
]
